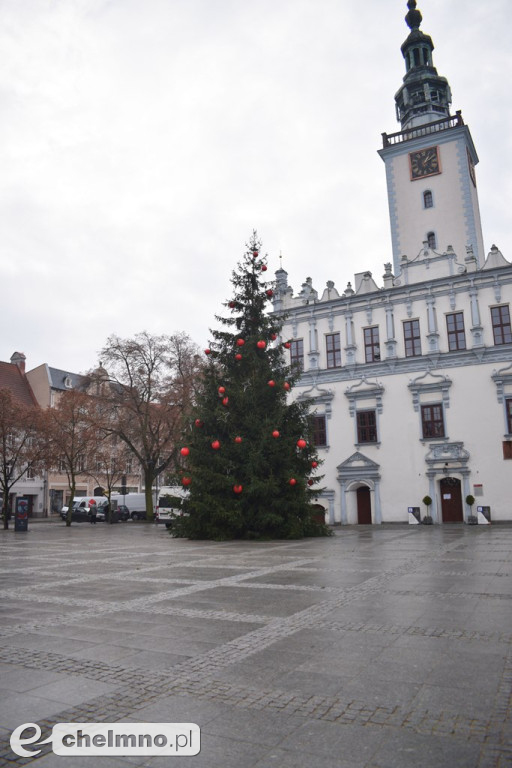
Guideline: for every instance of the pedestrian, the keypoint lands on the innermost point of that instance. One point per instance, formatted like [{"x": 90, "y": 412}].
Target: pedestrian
[{"x": 92, "y": 512}]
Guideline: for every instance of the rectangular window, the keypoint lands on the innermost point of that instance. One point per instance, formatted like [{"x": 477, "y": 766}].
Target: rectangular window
[
  {"x": 333, "y": 346},
  {"x": 501, "y": 324},
  {"x": 432, "y": 420},
  {"x": 366, "y": 427},
  {"x": 456, "y": 333},
  {"x": 371, "y": 344},
  {"x": 297, "y": 354},
  {"x": 412, "y": 338},
  {"x": 318, "y": 430},
  {"x": 508, "y": 409}
]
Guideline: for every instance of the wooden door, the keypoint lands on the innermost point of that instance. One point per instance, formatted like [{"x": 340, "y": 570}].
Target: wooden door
[
  {"x": 364, "y": 506},
  {"x": 451, "y": 500}
]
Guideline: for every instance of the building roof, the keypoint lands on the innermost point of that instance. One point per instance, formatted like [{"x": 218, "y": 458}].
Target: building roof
[
  {"x": 15, "y": 381},
  {"x": 63, "y": 380}
]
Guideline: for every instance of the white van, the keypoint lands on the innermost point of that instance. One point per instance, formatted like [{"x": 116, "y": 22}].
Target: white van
[
  {"x": 136, "y": 503},
  {"x": 170, "y": 499}
]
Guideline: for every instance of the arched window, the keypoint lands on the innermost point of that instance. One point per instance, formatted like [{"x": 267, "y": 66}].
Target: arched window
[
  {"x": 431, "y": 240},
  {"x": 428, "y": 200}
]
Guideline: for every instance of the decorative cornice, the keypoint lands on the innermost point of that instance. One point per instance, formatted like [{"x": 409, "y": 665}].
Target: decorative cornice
[
  {"x": 371, "y": 391},
  {"x": 430, "y": 382}
]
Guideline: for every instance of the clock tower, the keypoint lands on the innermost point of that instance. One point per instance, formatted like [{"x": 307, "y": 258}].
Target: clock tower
[{"x": 430, "y": 162}]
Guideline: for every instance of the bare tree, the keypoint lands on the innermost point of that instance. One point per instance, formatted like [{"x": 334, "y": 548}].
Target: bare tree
[
  {"x": 72, "y": 437},
  {"x": 107, "y": 464},
  {"x": 148, "y": 383},
  {"x": 23, "y": 444}
]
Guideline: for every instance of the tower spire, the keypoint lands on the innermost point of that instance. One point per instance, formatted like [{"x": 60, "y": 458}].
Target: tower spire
[{"x": 424, "y": 96}]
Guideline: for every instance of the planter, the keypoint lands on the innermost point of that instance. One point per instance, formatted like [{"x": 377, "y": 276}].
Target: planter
[
  {"x": 472, "y": 520},
  {"x": 427, "y": 520}
]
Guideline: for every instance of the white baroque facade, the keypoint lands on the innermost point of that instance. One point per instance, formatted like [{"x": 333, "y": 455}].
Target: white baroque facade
[{"x": 411, "y": 381}]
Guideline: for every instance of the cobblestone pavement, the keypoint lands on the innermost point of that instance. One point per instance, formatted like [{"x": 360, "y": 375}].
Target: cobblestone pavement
[{"x": 381, "y": 647}]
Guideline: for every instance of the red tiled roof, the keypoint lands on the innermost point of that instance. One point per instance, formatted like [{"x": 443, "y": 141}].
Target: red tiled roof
[{"x": 13, "y": 379}]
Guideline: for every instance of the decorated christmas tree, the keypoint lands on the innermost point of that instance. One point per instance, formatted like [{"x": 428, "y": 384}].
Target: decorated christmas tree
[{"x": 247, "y": 458}]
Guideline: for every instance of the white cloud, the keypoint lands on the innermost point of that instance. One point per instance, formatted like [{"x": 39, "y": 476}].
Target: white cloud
[{"x": 140, "y": 144}]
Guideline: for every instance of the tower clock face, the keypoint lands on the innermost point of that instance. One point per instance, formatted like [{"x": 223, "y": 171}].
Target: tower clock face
[{"x": 424, "y": 162}]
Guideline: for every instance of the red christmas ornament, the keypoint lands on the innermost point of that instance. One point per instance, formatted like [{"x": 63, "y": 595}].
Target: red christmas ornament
[
  {"x": 301, "y": 443},
  {"x": 238, "y": 356},
  {"x": 198, "y": 423},
  {"x": 221, "y": 390},
  {"x": 207, "y": 351},
  {"x": 314, "y": 464},
  {"x": 238, "y": 488},
  {"x": 186, "y": 480},
  {"x": 255, "y": 254},
  {"x": 273, "y": 336},
  {"x": 310, "y": 481},
  {"x": 287, "y": 345},
  {"x": 240, "y": 342},
  {"x": 275, "y": 433},
  {"x": 286, "y": 385},
  {"x": 292, "y": 481},
  {"x": 215, "y": 445},
  {"x": 263, "y": 267},
  {"x": 271, "y": 383},
  {"x": 225, "y": 401},
  {"x": 269, "y": 293},
  {"x": 185, "y": 451},
  {"x": 238, "y": 439},
  {"x": 261, "y": 344},
  {"x": 232, "y": 304}
]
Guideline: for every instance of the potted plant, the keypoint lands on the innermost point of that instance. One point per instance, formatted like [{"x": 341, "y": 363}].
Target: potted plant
[
  {"x": 472, "y": 519},
  {"x": 427, "y": 520}
]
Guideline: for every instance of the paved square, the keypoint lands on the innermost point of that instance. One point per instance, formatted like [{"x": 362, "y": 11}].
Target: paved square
[{"x": 381, "y": 647}]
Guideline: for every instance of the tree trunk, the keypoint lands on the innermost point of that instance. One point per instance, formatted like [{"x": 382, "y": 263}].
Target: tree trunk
[
  {"x": 70, "y": 505},
  {"x": 5, "y": 510},
  {"x": 148, "y": 482}
]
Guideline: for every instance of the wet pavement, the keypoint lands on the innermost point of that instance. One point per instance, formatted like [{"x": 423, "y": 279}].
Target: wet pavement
[{"x": 381, "y": 647}]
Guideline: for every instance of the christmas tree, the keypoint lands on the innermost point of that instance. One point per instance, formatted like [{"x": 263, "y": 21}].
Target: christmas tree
[{"x": 247, "y": 459}]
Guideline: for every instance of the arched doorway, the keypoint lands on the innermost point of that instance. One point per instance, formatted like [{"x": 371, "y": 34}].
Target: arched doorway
[
  {"x": 451, "y": 500},
  {"x": 364, "y": 505}
]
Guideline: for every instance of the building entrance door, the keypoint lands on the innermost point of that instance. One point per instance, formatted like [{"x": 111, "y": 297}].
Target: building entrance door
[
  {"x": 364, "y": 506},
  {"x": 451, "y": 500}
]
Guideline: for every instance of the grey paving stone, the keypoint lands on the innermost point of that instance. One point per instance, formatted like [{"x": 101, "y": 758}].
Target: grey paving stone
[
  {"x": 405, "y": 749},
  {"x": 380, "y": 646}
]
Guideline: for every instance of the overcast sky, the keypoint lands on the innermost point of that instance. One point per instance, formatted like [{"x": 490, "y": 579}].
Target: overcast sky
[{"x": 141, "y": 142}]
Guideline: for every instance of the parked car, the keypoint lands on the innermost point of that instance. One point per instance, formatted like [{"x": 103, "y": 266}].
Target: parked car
[
  {"x": 79, "y": 514},
  {"x": 123, "y": 512}
]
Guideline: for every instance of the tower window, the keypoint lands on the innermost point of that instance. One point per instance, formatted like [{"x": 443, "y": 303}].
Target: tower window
[
  {"x": 428, "y": 200},
  {"x": 431, "y": 240}
]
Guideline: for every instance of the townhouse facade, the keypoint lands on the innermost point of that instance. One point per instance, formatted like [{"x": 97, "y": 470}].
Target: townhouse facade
[{"x": 410, "y": 380}]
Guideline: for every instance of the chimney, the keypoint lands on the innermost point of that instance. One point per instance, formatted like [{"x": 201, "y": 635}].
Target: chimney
[{"x": 18, "y": 358}]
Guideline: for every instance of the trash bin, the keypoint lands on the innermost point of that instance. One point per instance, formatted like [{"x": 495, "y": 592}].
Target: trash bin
[{"x": 21, "y": 516}]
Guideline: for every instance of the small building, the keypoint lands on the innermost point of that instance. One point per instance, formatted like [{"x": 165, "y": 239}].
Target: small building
[
  {"x": 30, "y": 490},
  {"x": 410, "y": 377}
]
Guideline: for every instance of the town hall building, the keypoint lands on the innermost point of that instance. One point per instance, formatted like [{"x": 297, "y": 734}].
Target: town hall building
[{"x": 410, "y": 378}]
